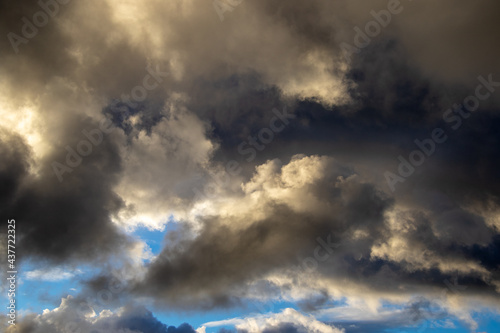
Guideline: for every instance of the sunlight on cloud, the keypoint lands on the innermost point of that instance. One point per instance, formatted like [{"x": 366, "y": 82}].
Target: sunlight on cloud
[
  {"x": 288, "y": 316},
  {"x": 27, "y": 123}
]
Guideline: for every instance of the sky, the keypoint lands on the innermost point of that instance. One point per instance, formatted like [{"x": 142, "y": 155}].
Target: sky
[{"x": 319, "y": 166}]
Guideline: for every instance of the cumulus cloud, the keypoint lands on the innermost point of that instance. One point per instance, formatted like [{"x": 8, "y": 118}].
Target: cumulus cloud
[
  {"x": 178, "y": 154},
  {"x": 264, "y": 230},
  {"x": 275, "y": 225},
  {"x": 75, "y": 316}
]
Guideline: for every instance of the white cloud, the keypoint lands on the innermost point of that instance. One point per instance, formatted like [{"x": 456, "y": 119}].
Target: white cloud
[
  {"x": 288, "y": 316},
  {"x": 51, "y": 274},
  {"x": 177, "y": 152}
]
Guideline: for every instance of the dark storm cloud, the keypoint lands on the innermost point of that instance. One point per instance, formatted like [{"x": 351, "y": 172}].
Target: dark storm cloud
[
  {"x": 393, "y": 105},
  {"x": 144, "y": 321},
  {"x": 61, "y": 221},
  {"x": 462, "y": 44},
  {"x": 457, "y": 176},
  {"x": 15, "y": 163},
  {"x": 74, "y": 46},
  {"x": 43, "y": 56}
]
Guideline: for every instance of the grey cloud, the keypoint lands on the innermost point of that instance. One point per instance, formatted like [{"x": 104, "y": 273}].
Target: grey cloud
[{"x": 61, "y": 221}]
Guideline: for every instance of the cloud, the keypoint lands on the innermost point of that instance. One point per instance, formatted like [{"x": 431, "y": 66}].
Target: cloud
[
  {"x": 178, "y": 153},
  {"x": 63, "y": 220},
  {"x": 238, "y": 245},
  {"x": 322, "y": 176},
  {"x": 266, "y": 233},
  {"x": 289, "y": 320},
  {"x": 73, "y": 316},
  {"x": 54, "y": 274}
]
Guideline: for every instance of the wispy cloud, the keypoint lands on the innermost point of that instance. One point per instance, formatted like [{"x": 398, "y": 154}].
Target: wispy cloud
[{"x": 52, "y": 274}]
